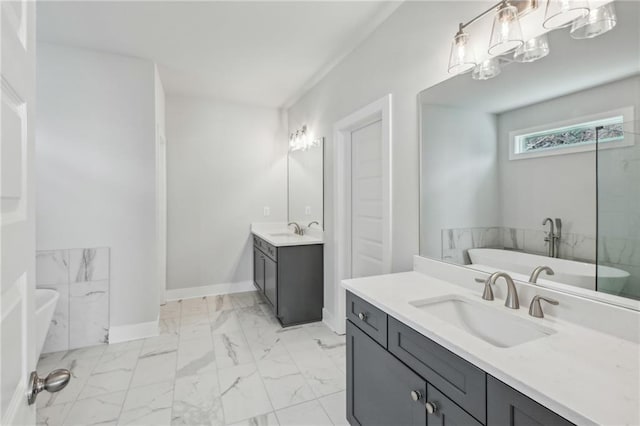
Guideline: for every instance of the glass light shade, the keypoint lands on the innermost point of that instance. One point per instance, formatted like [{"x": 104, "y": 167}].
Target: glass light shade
[
  {"x": 597, "y": 22},
  {"x": 461, "y": 58},
  {"x": 506, "y": 34},
  {"x": 532, "y": 50},
  {"x": 486, "y": 69},
  {"x": 561, "y": 13}
]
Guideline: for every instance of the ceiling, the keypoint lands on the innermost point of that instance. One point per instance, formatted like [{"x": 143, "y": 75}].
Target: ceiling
[{"x": 261, "y": 53}]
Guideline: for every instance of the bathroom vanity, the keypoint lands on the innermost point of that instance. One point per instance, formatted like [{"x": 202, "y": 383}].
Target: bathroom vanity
[
  {"x": 288, "y": 270},
  {"x": 413, "y": 360}
]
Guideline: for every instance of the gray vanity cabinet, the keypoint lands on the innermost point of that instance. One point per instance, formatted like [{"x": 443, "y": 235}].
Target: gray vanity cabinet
[
  {"x": 506, "y": 406},
  {"x": 397, "y": 376},
  {"x": 291, "y": 279}
]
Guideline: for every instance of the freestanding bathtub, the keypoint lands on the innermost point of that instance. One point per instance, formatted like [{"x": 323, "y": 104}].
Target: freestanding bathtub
[
  {"x": 46, "y": 301},
  {"x": 578, "y": 274}
]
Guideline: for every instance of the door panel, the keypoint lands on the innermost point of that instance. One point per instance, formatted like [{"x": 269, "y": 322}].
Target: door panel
[
  {"x": 447, "y": 413},
  {"x": 271, "y": 282},
  {"x": 258, "y": 268},
  {"x": 366, "y": 201},
  {"x": 17, "y": 221}
]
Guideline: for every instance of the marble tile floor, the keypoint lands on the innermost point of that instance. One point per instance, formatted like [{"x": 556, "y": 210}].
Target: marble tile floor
[{"x": 221, "y": 360}]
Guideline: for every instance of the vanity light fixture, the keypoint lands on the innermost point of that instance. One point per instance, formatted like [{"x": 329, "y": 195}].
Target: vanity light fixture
[
  {"x": 506, "y": 33},
  {"x": 486, "y": 69},
  {"x": 461, "y": 58},
  {"x": 301, "y": 141},
  {"x": 532, "y": 50},
  {"x": 596, "y": 22},
  {"x": 561, "y": 13}
]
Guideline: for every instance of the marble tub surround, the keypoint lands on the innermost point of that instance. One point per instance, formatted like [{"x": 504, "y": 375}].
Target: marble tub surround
[
  {"x": 456, "y": 241},
  {"x": 81, "y": 276},
  {"x": 563, "y": 371},
  {"x": 279, "y": 234},
  {"x": 223, "y": 361}
]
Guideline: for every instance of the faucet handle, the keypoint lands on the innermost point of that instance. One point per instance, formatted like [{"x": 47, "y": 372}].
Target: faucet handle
[
  {"x": 535, "y": 309},
  {"x": 487, "y": 294}
]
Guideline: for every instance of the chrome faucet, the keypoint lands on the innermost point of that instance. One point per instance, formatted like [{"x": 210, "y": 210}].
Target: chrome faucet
[
  {"x": 536, "y": 272},
  {"x": 553, "y": 236},
  {"x": 311, "y": 223},
  {"x": 535, "y": 309},
  {"x": 512, "y": 294},
  {"x": 298, "y": 230}
]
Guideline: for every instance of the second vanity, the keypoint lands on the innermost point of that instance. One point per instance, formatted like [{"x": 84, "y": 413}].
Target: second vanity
[
  {"x": 425, "y": 351},
  {"x": 288, "y": 270}
]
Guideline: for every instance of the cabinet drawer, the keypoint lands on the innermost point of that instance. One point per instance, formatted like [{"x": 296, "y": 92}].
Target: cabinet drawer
[
  {"x": 460, "y": 380},
  {"x": 268, "y": 249},
  {"x": 446, "y": 413},
  {"x": 508, "y": 407},
  {"x": 368, "y": 318}
]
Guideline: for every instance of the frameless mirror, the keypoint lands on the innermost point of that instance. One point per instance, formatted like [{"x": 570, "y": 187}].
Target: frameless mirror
[
  {"x": 306, "y": 185},
  {"x": 540, "y": 166}
]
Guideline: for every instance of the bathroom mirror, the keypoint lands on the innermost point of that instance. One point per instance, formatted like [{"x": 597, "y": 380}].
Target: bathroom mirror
[
  {"x": 514, "y": 175},
  {"x": 306, "y": 185}
]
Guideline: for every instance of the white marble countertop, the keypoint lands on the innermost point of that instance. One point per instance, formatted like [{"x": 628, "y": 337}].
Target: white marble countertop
[
  {"x": 279, "y": 235},
  {"x": 584, "y": 375}
]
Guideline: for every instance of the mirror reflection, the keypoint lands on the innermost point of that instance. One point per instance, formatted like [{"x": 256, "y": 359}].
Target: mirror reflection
[
  {"x": 306, "y": 186},
  {"x": 535, "y": 172}
]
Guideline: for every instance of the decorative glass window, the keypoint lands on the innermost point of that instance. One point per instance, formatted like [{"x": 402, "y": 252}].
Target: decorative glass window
[{"x": 576, "y": 135}]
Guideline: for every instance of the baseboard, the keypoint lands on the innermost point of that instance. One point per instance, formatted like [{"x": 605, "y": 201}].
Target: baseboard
[
  {"x": 124, "y": 333},
  {"x": 330, "y": 321},
  {"x": 208, "y": 290}
]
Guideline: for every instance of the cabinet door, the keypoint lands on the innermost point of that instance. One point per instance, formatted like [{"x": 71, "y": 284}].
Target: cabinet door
[
  {"x": 379, "y": 386},
  {"x": 508, "y": 407},
  {"x": 446, "y": 412},
  {"x": 271, "y": 282},
  {"x": 258, "y": 268}
]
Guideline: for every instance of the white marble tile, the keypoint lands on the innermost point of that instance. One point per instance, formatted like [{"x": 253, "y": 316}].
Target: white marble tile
[
  {"x": 307, "y": 414},
  {"x": 296, "y": 339},
  {"x": 195, "y": 357},
  {"x": 224, "y": 322},
  {"x": 58, "y": 334},
  {"x": 89, "y": 264},
  {"x": 268, "y": 419},
  {"x": 220, "y": 303},
  {"x": 195, "y": 306},
  {"x": 53, "y": 415},
  {"x": 231, "y": 349},
  {"x": 86, "y": 352},
  {"x": 170, "y": 310},
  {"x": 148, "y": 405},
  {"x": 243, "y": 394},
  {"x": 283, "y": 382},
  {"x": 80, "y": 369},
  {"x": 198, "y": 330},
  {"x": 534, "y": 242},
  {"x": 321, "y": 372},
  {"x": 254, "y": 317},
  {"x": 158, "y": 345},
  {"x": 335, "y": 405},
  {"x": 112, "y": 373},
  {"x": 88, "y": 313},
  {"x": 246, "y": 299},
  {"x": 125, "y": 346},
  {"x": 101, "y": 410},
  {"x": 197, "y": 401},
  {"x": 265, "y": 344},
  {"x": 154, "y": 368},
  {"x": 52, "y": 267},
  {"x": 169, "y": 325}
]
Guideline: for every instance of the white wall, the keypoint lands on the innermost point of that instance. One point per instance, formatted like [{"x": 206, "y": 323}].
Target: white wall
[
  {"x": 406, "y": 54},
  {"x": 460, "y": 184},
  {"x": 95, "y": 166},
  {"x": 226, "y": 162}
]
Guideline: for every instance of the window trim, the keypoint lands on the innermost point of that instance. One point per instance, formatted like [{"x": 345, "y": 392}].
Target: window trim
[{"x": 628, "y": 114}]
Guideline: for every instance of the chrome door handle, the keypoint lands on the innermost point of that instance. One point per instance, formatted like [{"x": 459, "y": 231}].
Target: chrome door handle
[
  {"x": 431, "y": 407},
  {"x": 362, "y": 316},
  {"x": 54, "y": 382},
  {"x": 416, "y": 395}
]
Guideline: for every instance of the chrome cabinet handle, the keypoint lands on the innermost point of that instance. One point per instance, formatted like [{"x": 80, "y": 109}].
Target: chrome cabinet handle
[
  {"x": 54, "y": 382},
  {"x": 431, "y": 407},
  {"x": 416, "y": 395},
  {"x": 362, "y": 316}
]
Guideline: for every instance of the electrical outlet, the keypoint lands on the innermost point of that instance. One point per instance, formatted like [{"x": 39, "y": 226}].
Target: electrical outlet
[
  {"x": 267, "y": 211},
  {"x": 307, "y": 210}
]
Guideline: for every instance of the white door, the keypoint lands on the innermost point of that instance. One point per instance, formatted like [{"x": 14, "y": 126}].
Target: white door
[
  {"x": 17, "y": 221},
  {"x": 367, "y": 201}
]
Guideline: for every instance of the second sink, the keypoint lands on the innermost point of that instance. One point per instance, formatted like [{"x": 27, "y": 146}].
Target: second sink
[{"x": 499, "y": 329}]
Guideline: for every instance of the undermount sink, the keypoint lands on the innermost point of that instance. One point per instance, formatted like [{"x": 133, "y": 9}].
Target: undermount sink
[{"x": 499, "y": 329}]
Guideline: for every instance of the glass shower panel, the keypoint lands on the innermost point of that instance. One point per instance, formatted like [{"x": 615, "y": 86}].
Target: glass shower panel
[{"x": 618, "y": 218}]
